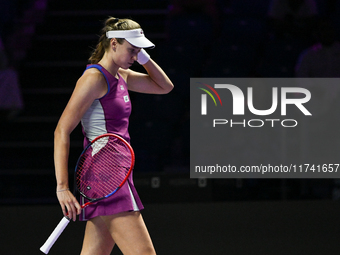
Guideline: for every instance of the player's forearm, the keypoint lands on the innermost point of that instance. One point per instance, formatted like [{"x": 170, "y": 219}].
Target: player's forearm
[
  {"x": 156, "y": 73},
  {"x": 61, "y": 154}
]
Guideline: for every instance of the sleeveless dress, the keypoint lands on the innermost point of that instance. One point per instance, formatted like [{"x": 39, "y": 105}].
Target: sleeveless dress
[{"x": 110, "y": 114}]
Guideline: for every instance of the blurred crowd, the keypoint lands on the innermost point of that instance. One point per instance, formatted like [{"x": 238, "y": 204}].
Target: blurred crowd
[{"x": 17, "y": 26}]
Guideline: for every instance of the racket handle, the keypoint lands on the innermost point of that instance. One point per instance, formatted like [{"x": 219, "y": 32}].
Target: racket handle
[{"x": 55, "y": 234}]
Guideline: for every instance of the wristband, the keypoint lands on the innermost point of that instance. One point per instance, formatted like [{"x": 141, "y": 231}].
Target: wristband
[{"x": 143, "y": 57}]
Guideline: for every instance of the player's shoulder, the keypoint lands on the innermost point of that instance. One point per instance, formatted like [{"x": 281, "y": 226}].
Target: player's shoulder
[
  {"x": 92, "y": 72},
  {"x": 92, "y": 75}
]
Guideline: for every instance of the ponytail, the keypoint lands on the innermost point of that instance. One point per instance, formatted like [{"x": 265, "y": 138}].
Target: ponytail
[{"x": 98, "y": 52}]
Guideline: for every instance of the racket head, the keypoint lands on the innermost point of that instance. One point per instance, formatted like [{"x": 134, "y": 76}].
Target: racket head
[{"x": 104, "y": 166}]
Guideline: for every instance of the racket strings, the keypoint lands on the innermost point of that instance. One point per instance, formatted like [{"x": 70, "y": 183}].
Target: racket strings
[{"x": 103, "y": 167}]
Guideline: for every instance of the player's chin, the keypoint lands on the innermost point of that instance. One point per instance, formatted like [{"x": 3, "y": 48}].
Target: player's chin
[{"x": 127, "y": 66}]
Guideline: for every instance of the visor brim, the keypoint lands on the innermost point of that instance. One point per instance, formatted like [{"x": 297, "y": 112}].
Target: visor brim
[{"x": 140, "y": 42}]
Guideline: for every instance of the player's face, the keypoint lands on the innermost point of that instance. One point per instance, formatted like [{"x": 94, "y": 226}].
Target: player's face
[{"x": 126, "y": 54}]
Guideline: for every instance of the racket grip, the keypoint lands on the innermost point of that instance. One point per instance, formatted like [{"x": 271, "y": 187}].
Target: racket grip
[{"x": 55, "y": 234}]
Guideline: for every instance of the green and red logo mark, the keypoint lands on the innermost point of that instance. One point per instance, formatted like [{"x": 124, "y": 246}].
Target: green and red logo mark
[{"x": 204, "y": 97}]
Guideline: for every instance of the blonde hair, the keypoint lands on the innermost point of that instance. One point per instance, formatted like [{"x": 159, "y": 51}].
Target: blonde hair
[{"x": 104, "y": 43}]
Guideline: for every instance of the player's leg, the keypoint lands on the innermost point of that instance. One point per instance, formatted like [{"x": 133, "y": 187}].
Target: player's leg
[
  {"x": 97, "y": 238},
  {"x": 129, "y": 232}
]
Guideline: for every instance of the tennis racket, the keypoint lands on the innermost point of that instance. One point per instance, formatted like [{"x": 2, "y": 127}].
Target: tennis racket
[{"x": 102, "y": 169}]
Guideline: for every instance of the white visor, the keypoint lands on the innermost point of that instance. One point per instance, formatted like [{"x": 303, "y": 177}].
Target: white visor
[{"x": 134, "y": 36}]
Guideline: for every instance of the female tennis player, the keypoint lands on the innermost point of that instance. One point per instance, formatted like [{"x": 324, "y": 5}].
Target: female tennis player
[{"x": 101, "y": 102}]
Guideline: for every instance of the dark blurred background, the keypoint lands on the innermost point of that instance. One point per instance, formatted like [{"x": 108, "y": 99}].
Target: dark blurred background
[{"x": 44, "y": 47}]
